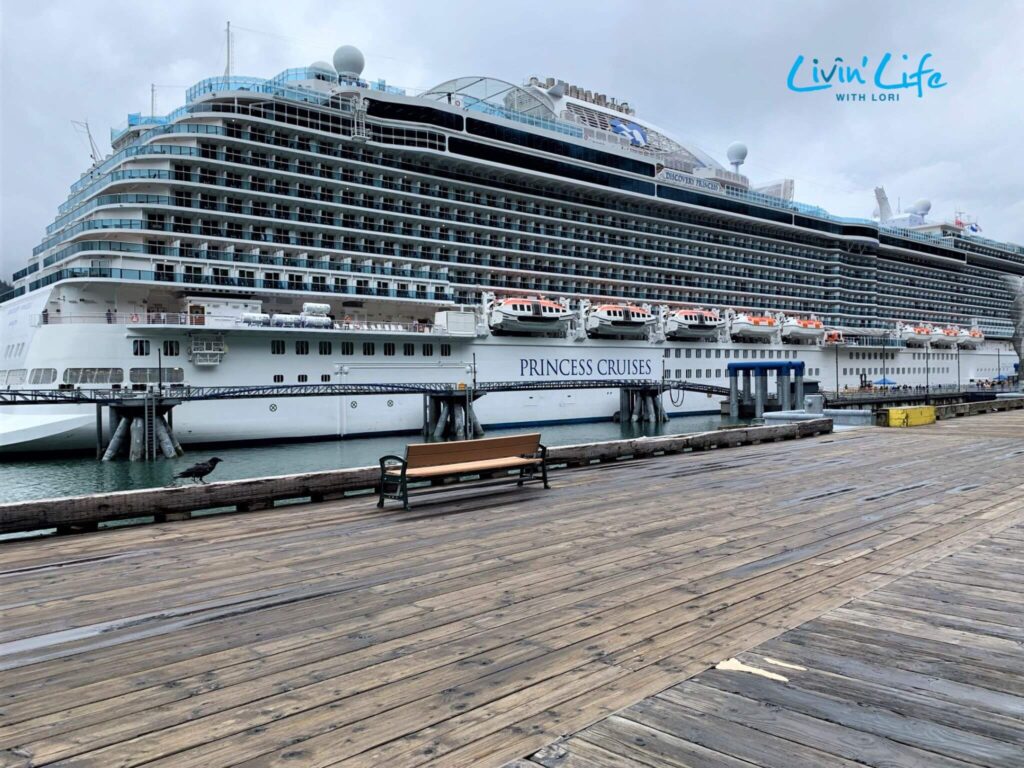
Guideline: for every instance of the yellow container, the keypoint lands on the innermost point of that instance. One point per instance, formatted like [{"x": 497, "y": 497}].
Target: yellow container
[{"x": 911, "y": 416}]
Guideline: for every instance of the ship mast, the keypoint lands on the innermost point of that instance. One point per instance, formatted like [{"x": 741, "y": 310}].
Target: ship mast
[{"x": 227, "y": 33}]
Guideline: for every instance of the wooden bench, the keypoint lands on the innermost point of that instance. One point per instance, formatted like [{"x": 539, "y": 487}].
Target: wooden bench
[{"x": 437, "y": 461}]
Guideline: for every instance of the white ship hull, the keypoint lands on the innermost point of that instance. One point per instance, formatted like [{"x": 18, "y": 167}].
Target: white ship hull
[{"x": 249, "y": 361}]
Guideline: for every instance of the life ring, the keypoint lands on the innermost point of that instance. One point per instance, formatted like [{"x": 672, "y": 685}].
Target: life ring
[{"x": 135, "y": 317}]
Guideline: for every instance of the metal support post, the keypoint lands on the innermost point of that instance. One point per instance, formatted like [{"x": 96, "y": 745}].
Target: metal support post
[{"x": 734, "y": 396}]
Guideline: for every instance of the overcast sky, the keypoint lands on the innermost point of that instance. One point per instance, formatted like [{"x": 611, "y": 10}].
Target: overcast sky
[{"x": 711, "y": 72}]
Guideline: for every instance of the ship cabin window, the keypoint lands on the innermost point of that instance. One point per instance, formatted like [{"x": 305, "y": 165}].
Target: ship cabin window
[
  {"x": 303, "y": 378},
  {"x": 140, "y": 347},
  {"x": 727, "y": 353},
  {"x": 698, "y": 373},
  {"x": 301, "y": 347},
  {"x": 696, "y": 353},
  {"x": 172, "y": 348},
  {"x": 42, "y": 376},
  {"x": 389, "y": 349},
  {"x": 92, "y": 376},
  {"x": 325, "y": 378},
  {"x": 689, "y": 373},
  {"x": 689, "y": 353},
  {"x": 709, "y": 373},
  {"x": 718, "y": 353},
  {"x": 428, "y": 350},
  {"x": 408, "y": 350},
  {"x": 156, "y": 375},
  {"x": 278, "y": 378},
  {"x": 679, "y": 373},
  {"x": 277, "y": 347},
  {"x": 325, "y": 347},
  {"x": 369, "y": 348},
  {"x": 446, "y": 350}
]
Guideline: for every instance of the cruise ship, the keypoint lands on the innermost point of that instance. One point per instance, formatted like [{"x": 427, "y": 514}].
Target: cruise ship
[{"x": 317, "y": 227}]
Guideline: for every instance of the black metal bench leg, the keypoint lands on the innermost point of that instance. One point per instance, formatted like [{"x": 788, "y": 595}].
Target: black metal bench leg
[
  {"x": 544, "y": 474},
  {"x": 405, "y": 495}
]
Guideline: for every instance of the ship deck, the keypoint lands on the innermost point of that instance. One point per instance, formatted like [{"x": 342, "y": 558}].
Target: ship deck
[{"x": 477, "y": 630}]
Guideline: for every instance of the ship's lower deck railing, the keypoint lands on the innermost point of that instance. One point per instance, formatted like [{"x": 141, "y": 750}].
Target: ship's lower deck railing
[{"x": 234, "y": 322}]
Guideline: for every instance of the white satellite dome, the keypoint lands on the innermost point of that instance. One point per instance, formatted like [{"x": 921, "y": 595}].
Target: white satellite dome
[
  {"x": 349, "y": 60},
  {"x": 322, "y": 66},
  {"x": 922, "y": 206},
  {"x": 737, "y": 152}
]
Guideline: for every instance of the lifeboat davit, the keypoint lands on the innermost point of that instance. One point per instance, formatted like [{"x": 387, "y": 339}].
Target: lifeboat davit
[
  {"x": 803, "y": 329},
  {"x": 915, "y": 335},
  {"x": 693, "y": 324},
  {"x": 746, "y": 326},
  {"x": 945, "y": 337},
  {"x": 970, "y": 339},
  {"x": 617, "y": 320},
  {"x": 528, "y": 315}
]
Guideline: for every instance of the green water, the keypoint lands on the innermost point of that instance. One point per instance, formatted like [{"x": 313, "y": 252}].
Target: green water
[{"x": 71, "y": 476}]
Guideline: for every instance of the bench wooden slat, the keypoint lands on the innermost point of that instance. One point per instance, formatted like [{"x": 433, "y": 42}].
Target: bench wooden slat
[
  {"x": 468, "y": 467},
  {"x": 436, "y": 454}
]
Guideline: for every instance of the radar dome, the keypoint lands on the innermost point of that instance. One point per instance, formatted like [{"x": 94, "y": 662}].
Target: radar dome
[
  {"x": 737, "y": 152},
  {"x": 348, "y": 60},
  {"x": 322, "y": 66},
  {"x": 922, "y": 206}
]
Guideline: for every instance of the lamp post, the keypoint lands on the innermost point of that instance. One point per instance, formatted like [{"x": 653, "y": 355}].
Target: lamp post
[
  {"x": 927, "y": 374},
  {"x": 837, "y": 370},
  {"x": 999, "y": 365},
  {"x": 958, "y": 387}
]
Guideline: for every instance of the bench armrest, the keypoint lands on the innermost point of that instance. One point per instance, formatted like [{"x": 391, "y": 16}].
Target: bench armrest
[
  {"x": 392, "y": 460},
  {"x": 543, "y": 451}
]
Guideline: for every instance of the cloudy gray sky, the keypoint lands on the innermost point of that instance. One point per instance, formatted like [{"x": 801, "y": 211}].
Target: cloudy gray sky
[{"x": 711, "y": 71}]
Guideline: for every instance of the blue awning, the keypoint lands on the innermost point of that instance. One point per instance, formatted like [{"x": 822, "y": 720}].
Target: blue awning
[{"x": 884, "y": 382}]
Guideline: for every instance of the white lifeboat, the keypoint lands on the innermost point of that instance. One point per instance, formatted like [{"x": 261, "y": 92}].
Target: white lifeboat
[
  {"x": 527, "y": 315},
  {"x": 803, "y": 328},
  {"x": 617, "y": 320},
  {"x": 970, "y": 339},
  {"x": 915, "y": 335},
  {"x": 945, "y": 337},
  {"x": 693, "y": 324},
  {"x": 746, "y": 326}
]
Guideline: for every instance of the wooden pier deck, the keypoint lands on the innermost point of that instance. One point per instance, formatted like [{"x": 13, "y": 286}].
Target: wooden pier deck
[
  {"x": 477, "y": 631},
  {"x": 923, "y": 672}
]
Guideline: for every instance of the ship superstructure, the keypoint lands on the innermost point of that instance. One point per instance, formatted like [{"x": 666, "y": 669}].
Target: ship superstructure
[{"x": 318, "y": 216}]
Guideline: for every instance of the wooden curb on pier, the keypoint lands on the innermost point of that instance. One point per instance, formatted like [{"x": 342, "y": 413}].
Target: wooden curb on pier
[{"x": 84, "y": 513}]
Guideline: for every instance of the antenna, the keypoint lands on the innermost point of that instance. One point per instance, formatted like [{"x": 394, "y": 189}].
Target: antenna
[
  {"x": 83, "y": 126},
  {"x": 227, "y": 32}
]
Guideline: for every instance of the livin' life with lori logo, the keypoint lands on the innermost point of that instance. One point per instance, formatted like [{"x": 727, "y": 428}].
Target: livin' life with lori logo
[{"x": 885, "y": 81}]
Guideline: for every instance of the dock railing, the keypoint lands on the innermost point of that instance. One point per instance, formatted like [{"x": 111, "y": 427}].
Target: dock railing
[{"x": 85, "y": 513}]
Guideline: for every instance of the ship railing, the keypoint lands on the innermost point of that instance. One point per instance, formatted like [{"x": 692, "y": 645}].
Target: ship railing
[
  {"x": 226, "y": 322},
  {"x": 880, "y": 392}
]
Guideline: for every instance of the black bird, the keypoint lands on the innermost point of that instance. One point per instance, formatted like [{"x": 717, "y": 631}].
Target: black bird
[{"x": 198, "y": 471}]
